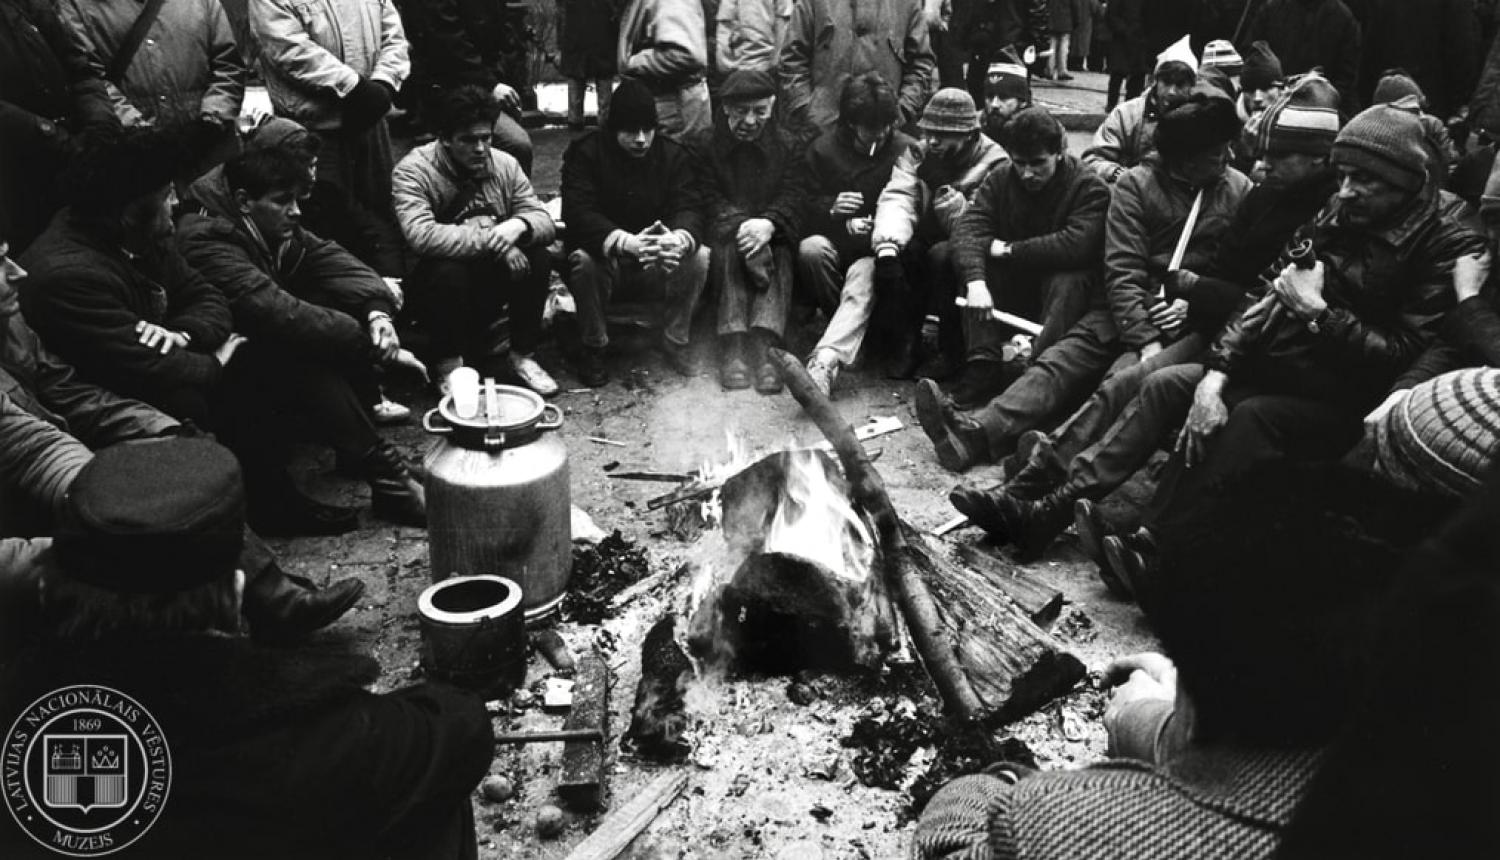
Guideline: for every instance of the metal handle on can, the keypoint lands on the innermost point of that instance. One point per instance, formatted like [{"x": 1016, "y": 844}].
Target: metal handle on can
[
  {"x": 494, "y": 438},
  {"x": 553, "y": 424},
  {"x": 429, "y": 417}
]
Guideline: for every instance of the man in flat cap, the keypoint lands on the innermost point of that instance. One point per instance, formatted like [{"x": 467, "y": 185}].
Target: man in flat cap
[
  {"x": 752, "y": 211},
  {"x": 273, "y": 753}
]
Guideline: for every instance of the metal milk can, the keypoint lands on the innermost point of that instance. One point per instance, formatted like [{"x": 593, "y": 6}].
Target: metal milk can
[{"x": 498, "y": 498}]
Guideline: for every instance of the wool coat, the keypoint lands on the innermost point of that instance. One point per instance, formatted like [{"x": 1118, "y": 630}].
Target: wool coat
[{"x": 604, "y": 190}]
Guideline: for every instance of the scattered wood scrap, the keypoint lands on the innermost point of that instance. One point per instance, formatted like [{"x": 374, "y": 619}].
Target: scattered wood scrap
[{"x": 615, "y": 833}]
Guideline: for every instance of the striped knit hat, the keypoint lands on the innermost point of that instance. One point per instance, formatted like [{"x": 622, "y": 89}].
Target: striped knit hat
[
  {"x": 1443, "y": 436},
  {"x": 1007, "y": 77},
  {"x": 1222, "y": 55},
  {"x": 1301, "y": 120}
]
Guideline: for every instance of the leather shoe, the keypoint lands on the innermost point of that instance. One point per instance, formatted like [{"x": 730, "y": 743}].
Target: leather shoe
[
  {"x": 1132, "y": 558},
  {"x": 905, "y": 358},
  {"x": 1088, "y": 521},
  {"x": 957, "y": 439},
  {"x": 281, "y": 607},
  {"x": 591, "y": 368},
  {"x": 1031, "y": 526},
  {"x": 767, "y": 378}
]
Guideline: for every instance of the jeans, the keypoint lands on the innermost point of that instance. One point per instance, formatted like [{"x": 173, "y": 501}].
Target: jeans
[
  {"x": 742, "y": 304},
  {"x": 593, "y": 282},
  {"x": 1054, "y": 385},
  {"x": 461, "y": 301},
  {"x": 846, "y": 288},
  {"x": 1146, "y": 424}
]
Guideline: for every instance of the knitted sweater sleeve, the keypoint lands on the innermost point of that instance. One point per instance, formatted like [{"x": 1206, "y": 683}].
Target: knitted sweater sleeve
[{"x": 968, "y": 819}]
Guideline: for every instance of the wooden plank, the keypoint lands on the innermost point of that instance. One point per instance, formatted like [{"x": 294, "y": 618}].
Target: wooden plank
[
  {"x": 615, "y": 833},
  {"x": 583, "y": 761}
]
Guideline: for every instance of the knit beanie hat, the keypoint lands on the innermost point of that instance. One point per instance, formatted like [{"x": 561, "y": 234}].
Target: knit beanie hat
[
  {"x": 1298, "y": 121},
  {"x": 1205, "y": 120},
  {"x": 1219, "y": 54},
  {"x": 950, "y": 110},
  {"x": 1443, "y": 435},
  {"x": 1262, "y": 68},
  {"x": 631, "y": 108},
  {"x": 1388, "y": 142},
  {"x": 1008, "y": 77},
  {"x": 1396, "y": 84}
]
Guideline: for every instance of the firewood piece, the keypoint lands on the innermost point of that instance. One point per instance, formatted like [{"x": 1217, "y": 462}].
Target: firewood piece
[
  {"x": 658, "y": 720},
  {"x": 1015, "y": 667},
  {"x": 581, "y": 786},
  {"x": 939, "y": 655},
  {"x": 1041, "y": 602},
  {"x": 615, "y": 833},
  {"x": 684, "y": 493}
]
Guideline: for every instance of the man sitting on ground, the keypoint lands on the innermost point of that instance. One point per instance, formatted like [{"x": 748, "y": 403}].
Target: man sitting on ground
[
  {"x": 1007, "y": 91},
  {"x": 753, "y": 209},
  {"x": 469, "y": 213},
  {"x": 843, "y": 174},
  {"x": 274, "y": 753},
  {"x": 930, "y": 188},
  {"x": 1023, "y": 247},
  {"x": 632, "y": 203}
]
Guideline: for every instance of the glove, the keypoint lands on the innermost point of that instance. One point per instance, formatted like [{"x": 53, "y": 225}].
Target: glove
[{"x": 366, "y": 104}]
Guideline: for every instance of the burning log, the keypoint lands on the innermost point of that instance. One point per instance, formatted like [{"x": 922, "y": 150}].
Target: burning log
[
  {"x": 1041, "y": 603},
  {"x": 976, "y": 680}
]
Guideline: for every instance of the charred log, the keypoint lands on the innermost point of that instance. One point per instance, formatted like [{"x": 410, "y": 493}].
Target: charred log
[{"x": 658, "y": 720}]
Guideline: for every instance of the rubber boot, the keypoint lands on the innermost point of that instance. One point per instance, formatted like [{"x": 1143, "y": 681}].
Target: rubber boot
[{"x": 395, "y": 495}]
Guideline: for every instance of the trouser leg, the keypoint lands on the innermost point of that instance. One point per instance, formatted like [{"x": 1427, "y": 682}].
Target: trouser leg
[
  {"x": 769, "y": 307},
  {"x": 577, "y": 89},
  {"x": 821, "y": 271},
  {"x": 592, "y": 281},
  {"x": 846, "y": 331},
  {"x": 1120, "y": 387},
  {"x": 683, "y": 288},
  {"x": 1147, "y": 422},
  {"x": 526, "y": 296},
  {"x": 438, "y": 294},
  {"x": 1057, "y": 381},
  {"x": 1261, "y": 428},
  {"x": 727, "y": 272},
  {"x": 1065, "y": 298}
]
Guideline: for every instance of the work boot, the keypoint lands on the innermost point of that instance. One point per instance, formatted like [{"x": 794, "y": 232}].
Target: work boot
[
  {"x": 278, "y": 509},
  {"x": 734, "y": 370},
  {"x": 957, "y": 438},
  {"x": 1029, "y": 526},
  {"x": 592, "y": 370},
  {"x": 1039, "y": 472},
  {"x": 1092, "y": 530},
  {"x": 1132, "y": 558},
  {"x": 905, "y": 357},
  {"x": 823, "y": 368},
  {"x": 395, "y": 496},
  {"x": 281, "y": 607},
  {"x": 767, "y": 376}
]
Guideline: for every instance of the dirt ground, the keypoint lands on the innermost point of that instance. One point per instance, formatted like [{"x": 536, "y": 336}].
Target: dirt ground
[{"x": 768, "y": 777}]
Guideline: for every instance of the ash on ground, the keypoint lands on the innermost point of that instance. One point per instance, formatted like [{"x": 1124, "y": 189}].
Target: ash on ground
[{"x": 599, "y": 573}]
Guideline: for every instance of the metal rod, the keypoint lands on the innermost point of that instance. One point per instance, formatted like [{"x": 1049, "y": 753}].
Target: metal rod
[{"x": 549, "y": 736}]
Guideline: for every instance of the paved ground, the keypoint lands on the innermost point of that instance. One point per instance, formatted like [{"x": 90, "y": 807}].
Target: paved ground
[{"x": 750, "y": 791}]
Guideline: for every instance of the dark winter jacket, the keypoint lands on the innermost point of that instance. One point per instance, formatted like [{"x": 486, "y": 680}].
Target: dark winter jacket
[
  {"x": 309, "y": 296},
  {"x": 604, "y": 190},
  {"x": 1436, "y": 42},
  {"x": 751, "y": 180},
  {"x": 280, "y": 753},
  {"x": 1259, "y": 231},
  {"x": 1387, "y": 294},
  {"x": 47, "y": 89},
  {"x": 834, "y": 165},
  {"x": 1470, "y": 337},
  {"x": 1204, "y": 804},
  {"x": 1308, "y": 33},
  {"x": 84, "y": 296},
  {"x": 1059, "y": 227},
  {"x": 1128, "y": 51},
  {"x": 1146, "y": 216}
]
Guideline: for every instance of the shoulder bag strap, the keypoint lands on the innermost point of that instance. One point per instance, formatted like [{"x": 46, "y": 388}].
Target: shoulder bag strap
[{"x": 132, "y": 44}]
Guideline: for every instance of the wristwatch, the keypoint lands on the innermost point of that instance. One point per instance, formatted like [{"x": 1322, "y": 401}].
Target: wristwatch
[{"x": 1316, "y": 324}]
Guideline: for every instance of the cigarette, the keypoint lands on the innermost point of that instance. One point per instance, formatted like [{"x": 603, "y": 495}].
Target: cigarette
[{"x": 874, "y": 146}]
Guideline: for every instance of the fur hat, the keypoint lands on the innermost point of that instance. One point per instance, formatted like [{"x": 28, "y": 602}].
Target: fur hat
[
  {"x": 1206, "y": 119},
  {"x": 153, "y": 517},
  {"x": 1388, "y": 142}
]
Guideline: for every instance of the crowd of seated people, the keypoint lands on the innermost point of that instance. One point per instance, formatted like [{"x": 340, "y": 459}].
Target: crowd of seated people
[{"x": 1263, "y": 291}]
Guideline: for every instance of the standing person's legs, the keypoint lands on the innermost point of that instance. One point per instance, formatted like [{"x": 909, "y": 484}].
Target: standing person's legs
[
  {"x": 1135, "y": 84},
  {"x": 1112, "y": 90},
  {"x": 577, "y": 89}
]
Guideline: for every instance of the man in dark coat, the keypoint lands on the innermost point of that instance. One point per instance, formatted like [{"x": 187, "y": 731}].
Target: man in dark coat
[
  {"x": 1129, "y": 58},
  {"x": 47, "y": 92},
  {"x": 632, "y": 200},
  {"x": 272, "y": 753},
  {"x": 318, "y": 322},
  {"x": 1436, "y": 42},
  {"x": 1308, "y": 33},
  {"x": 1294, "y": 373},
  {"x": 51, "y": 420},
  {"x": 753, "y": 211}
]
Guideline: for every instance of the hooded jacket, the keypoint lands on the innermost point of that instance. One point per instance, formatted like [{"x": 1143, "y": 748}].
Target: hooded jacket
[
  {"x": 1387, "y": 293},
  {"x": 906, "y": 201},
  {"x": 309, "y": 295},
  {"x": 427, "y": 184}
]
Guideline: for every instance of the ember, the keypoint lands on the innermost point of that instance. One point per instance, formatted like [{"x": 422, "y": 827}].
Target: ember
[{"x": 599, "y": 573}]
